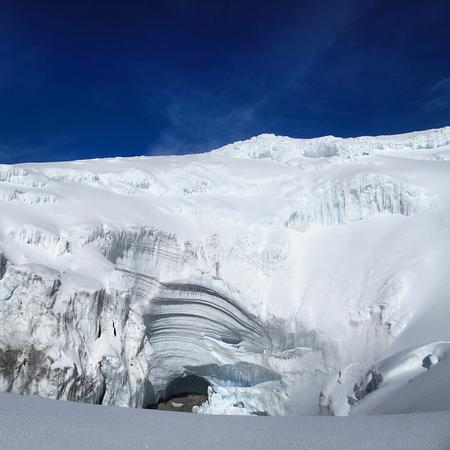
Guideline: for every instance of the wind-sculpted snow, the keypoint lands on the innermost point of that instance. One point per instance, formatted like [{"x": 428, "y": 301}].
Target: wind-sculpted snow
[
  {"x": 127, "y": 182},
  {"x": 31, "y": 197},
  {"x": 262, "y": 269}
]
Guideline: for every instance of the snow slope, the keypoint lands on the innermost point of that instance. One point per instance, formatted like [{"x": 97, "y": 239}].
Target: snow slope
[
  {"x": 414, "y": 380},
  {"x": 56, "y": 425},
  {"x": 264, "y": 267}
]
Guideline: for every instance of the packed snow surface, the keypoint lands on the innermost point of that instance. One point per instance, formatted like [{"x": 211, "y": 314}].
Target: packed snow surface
[
  {"x": 63, "y": 425},
  {"x": 294, "y": 276}
]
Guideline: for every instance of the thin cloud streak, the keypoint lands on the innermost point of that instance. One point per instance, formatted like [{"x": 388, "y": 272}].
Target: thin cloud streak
[
  {"x": 440, "y": 98},
  {"x": 201, "y": 120}
]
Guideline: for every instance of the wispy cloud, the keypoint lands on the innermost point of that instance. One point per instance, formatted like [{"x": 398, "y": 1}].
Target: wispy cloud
[
  {"x": 439, "y": 98},
  {"x": 202, "y": 119},
  {"x": 254, "y": 100}
]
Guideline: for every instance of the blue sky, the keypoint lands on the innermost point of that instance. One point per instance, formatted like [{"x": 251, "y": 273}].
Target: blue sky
[{"x": 83, "y": 79}]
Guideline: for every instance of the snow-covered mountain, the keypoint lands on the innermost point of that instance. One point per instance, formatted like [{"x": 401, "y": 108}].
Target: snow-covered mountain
[{"x": 283, "y": 272}]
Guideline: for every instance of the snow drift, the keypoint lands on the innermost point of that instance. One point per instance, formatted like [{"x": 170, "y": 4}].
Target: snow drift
[{"x": 280, "y": 271}]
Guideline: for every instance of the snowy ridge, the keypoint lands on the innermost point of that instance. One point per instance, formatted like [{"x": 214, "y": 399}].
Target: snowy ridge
[
  {"x": 283, "y": 149},
  {"x": 264, "y": 268}
]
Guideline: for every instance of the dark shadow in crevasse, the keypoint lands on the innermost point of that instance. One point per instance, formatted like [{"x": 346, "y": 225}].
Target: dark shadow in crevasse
[{"x": 182, "y": 394}]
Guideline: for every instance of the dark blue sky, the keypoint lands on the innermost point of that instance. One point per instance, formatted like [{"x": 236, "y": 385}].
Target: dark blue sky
[{"x": 85, "y": 79}]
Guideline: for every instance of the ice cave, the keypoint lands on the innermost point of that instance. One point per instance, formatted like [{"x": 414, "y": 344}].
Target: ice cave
[{"x": 182, "y": 394}]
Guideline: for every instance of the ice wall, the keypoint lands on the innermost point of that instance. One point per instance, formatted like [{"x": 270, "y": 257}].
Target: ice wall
[{"x": 356, "y": 198}]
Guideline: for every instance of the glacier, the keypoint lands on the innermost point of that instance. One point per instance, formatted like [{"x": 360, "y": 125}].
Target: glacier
[{"x": 283, "y": 272}]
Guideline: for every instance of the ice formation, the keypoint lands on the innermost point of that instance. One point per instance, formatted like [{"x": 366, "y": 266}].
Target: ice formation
[{"x": 266, "y": 268}]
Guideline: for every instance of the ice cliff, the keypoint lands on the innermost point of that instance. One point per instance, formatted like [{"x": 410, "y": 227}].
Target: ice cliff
[{"x": 264, "y": 268}]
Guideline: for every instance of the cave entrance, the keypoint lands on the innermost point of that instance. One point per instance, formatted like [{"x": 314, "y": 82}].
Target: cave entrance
[{"x": 183, "y": 393}]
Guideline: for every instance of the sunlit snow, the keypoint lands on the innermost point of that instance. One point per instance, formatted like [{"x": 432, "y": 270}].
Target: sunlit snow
[{"x": 283, "y": 272}]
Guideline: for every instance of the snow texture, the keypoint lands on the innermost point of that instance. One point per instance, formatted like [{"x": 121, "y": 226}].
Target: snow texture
[
  {"x": 56, "y": 425},
  {"x": 265, "y": 267},
  {"x": 411, "y": 380}
]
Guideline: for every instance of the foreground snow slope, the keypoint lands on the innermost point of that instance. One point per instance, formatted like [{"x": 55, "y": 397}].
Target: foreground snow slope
[
  {"x": 56, "y": 425},
  {"x": 263, "y": 267}
]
